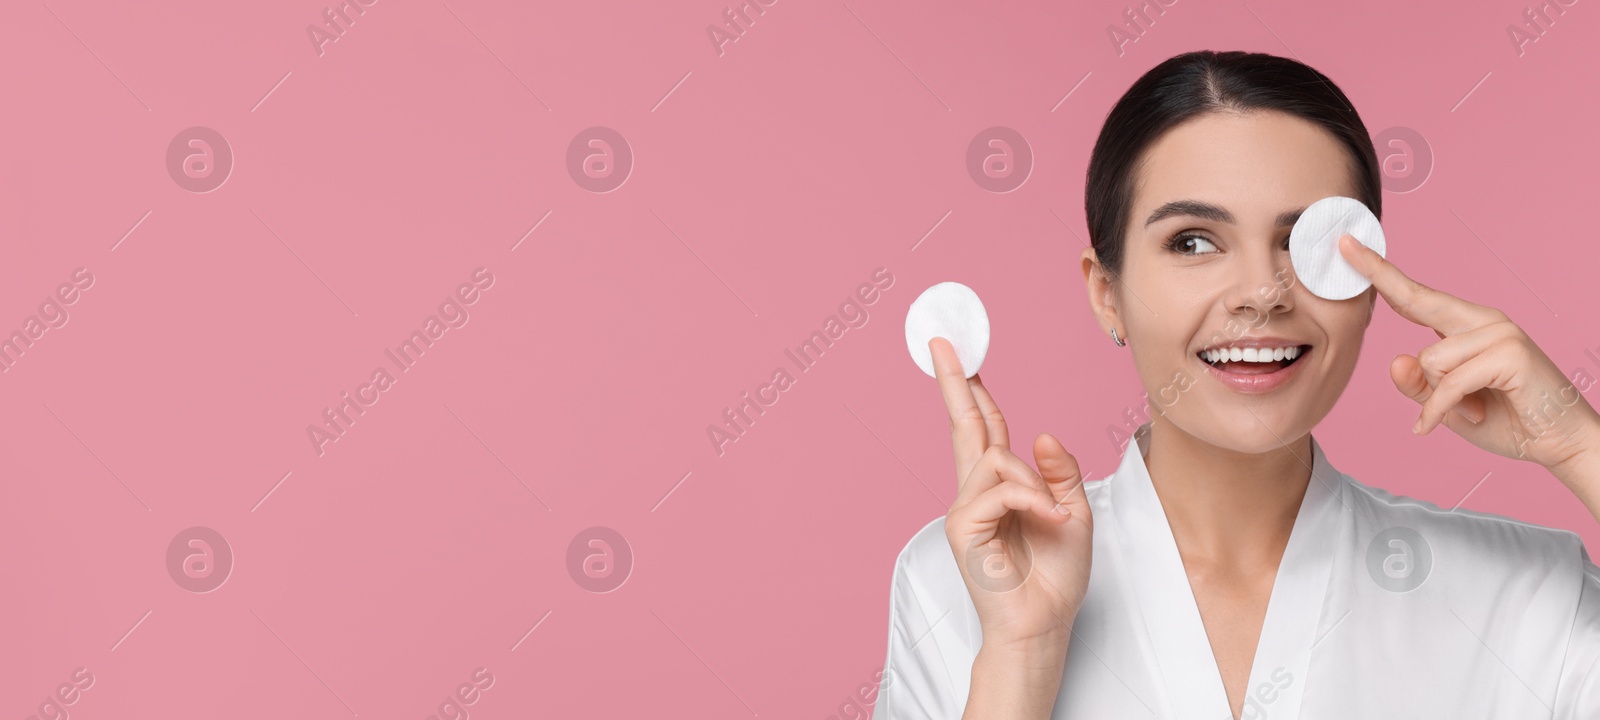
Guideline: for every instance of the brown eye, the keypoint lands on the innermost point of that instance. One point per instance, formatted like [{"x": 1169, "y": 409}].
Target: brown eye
[{"x": 1191, "y": 244}]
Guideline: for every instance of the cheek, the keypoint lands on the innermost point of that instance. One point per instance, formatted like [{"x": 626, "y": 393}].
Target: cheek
[
  {"x": 1346, "y": 332},
  {"x": 1167, "y": 310},
  {"x": 1352, "y": 324}
]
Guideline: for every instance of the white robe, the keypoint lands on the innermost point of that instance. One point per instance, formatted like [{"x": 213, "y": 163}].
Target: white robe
[{"x": 1383, "y": 607}]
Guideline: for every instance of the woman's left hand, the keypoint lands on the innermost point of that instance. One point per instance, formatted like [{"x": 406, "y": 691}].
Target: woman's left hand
[{"x": 1485, "y": 379}]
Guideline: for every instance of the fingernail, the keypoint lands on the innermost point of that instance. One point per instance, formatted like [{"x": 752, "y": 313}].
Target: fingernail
[
  {"x": 1417, "y": 428},
  {"x": 1062, "y": 509}
]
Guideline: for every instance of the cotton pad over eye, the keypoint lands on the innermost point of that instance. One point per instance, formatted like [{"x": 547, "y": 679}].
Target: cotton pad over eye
[
  {"x": 1314, "y": 246},
  {"x": 952, "y": 311}
]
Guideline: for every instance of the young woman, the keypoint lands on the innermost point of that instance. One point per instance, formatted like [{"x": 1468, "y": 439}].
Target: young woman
[{"x": 1236, "y": 572}]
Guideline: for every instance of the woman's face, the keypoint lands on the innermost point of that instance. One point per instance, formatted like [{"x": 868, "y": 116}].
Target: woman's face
[{"x": 1206, "y": 266}]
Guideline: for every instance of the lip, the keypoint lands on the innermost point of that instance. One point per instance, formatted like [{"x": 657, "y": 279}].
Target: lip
[{"x": 1264, "y": 382}]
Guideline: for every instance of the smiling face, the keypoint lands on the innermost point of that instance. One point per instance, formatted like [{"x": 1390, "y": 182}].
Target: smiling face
[{"x": 1206, "y": 268}]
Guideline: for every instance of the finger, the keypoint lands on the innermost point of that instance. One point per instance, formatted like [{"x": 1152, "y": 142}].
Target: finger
[
  {"x": 969, "y": 435},
  {"x": 1412, "y": 381},
  {"x": 1057, "y": 467},
  {"x": 998, "y": 465},
  {"x": 986, "y": 510},
  {"x": 1409, "y": 378},
  {"x": 1445, "y": 313},
  {"x": 994, "y": 422},
  {"x": 1450, "y": 353},
  {"x": 1489, "y": 369}
]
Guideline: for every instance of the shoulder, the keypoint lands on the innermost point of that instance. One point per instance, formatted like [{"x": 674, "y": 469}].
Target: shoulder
[{"x": 1496, "y": 545}]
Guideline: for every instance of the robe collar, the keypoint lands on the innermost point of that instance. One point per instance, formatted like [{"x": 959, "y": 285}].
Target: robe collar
[{"x": 1184, "y": 661}]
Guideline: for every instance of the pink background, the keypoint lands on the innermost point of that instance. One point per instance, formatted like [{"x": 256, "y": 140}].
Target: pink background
[{"x": 767, "y": 184}]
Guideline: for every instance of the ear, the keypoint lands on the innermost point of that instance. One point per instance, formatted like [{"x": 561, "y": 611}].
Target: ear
[{"x": 1101, "y": 298}]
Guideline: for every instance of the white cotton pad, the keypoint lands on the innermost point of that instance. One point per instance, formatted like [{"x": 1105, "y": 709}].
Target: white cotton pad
[
  {"x": 1314, "y": 246},
  {"x": 952, "y": 311}
]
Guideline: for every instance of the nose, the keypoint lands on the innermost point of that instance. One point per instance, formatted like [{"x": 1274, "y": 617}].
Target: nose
[{"x": 1265, "y": 279}]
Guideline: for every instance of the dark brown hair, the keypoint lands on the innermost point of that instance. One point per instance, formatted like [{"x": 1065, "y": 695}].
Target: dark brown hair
[{"x": 1195, "y": 83}]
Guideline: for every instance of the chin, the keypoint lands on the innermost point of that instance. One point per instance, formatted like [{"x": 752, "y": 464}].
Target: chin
[{"x": 1251, "y": 431}]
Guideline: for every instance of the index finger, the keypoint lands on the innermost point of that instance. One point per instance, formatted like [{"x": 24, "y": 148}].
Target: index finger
[
  {"x": 968, "y": 433},
  {"x": 1423, "y": 305}
]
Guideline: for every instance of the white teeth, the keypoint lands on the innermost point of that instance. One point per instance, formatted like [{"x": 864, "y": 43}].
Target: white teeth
[{"x": 1234, "y": 354}]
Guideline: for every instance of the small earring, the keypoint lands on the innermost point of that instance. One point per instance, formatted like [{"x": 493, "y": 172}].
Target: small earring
[{"x": 1117, "y": 340}]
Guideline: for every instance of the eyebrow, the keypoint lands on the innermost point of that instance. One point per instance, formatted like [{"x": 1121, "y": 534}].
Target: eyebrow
[{"x": 1207, "y": 211}]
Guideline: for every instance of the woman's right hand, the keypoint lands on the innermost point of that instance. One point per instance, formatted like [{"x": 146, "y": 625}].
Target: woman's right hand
[{"x": 1021, "y": 538}]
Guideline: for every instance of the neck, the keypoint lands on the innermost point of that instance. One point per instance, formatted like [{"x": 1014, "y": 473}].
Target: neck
[{"x": 1226, "y": 507}]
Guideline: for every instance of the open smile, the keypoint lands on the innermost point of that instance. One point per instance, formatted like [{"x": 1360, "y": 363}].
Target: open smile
[{"x": 1254, "y": 365}]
